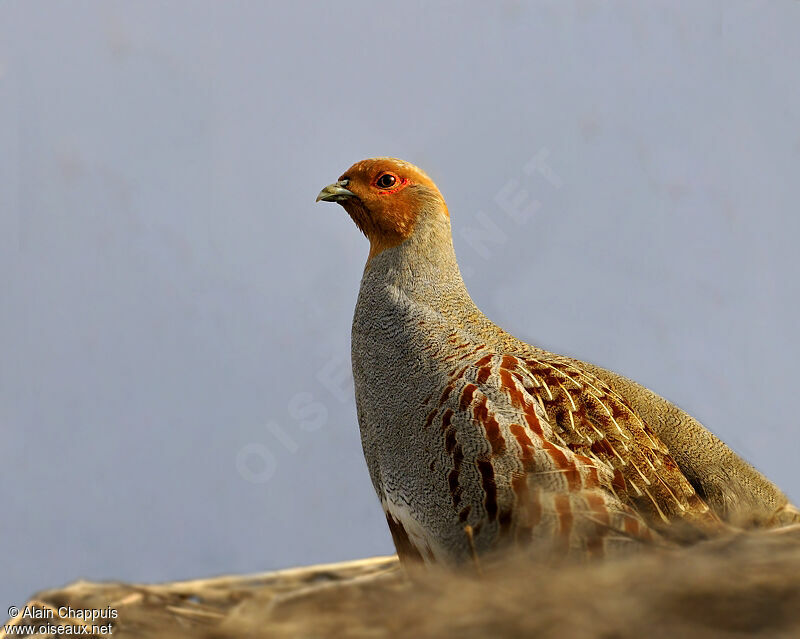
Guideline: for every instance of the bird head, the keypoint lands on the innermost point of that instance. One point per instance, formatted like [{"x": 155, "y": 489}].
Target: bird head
[{"x": 385, "y": 197}]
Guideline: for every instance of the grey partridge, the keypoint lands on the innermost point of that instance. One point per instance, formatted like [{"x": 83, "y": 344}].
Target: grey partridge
[{"x": 476, "y": 441}]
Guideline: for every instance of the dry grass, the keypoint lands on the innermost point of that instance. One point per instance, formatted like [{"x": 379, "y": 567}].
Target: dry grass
[{"x": 744, "y": 586}]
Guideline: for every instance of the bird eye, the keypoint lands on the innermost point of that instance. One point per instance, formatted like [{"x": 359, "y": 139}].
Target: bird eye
[{"x": 386, "y": 181}]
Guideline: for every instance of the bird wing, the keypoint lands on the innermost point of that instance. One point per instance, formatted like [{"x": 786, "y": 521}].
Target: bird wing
[
  {"x": 734, "y": 490},
  {"x": 557, "y": 455}
]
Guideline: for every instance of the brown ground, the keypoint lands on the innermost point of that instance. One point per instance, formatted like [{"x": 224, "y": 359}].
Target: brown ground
[{"x": 745, "y": 586}]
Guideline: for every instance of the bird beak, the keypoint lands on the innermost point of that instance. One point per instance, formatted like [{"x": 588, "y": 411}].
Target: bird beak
[{"x": 335, "y": 192}]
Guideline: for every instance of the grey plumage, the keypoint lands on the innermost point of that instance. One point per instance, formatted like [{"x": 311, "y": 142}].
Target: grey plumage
[{"x": 475, "y": 440}]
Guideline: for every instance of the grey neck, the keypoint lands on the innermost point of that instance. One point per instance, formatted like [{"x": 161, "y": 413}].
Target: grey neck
[{"x": 423, "y": 269}]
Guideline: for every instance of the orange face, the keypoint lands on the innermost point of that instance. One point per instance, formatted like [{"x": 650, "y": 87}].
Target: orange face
[{"x": 384, "y": 196}]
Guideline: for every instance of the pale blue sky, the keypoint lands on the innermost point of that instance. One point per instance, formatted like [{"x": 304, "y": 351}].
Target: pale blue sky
[{"x": 175, "y": 309}]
